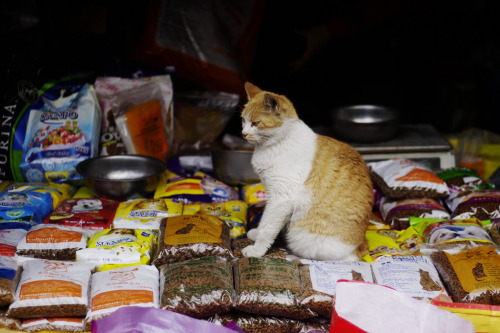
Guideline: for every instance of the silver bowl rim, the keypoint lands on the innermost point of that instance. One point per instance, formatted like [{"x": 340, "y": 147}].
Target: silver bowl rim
[
  {"x": 81, "y": 165},
  {"x": 336, "y": 114}
]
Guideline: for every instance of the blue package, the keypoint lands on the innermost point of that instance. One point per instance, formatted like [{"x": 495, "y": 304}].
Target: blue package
[{"x": 28, "y": 207}]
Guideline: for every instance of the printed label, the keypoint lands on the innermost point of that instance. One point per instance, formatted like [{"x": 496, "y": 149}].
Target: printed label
[
  {"x": 49, "y": 289},
  {"x": 193, "y": 229}
]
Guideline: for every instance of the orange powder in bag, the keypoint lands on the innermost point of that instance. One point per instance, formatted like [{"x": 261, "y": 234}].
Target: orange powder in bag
[{"x": 145, "y": 124}]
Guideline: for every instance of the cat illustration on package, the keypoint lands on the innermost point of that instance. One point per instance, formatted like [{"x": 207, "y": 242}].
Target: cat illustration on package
[
  {"x": 319, "y": 191},
  {"x": 61, "y": 133}
]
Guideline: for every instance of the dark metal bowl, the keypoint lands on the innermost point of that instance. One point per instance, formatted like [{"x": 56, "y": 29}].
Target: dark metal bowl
[
  {"x": 234, "y": 167},
  {"x": 365, "y": 123},
  {"x": 122, "y": 177}
]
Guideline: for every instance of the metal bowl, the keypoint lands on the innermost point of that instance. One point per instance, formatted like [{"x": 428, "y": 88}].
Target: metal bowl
[
  {"x": 365, "y": 123},
  {"x": 122, "y": 177},
  {"x": 234, "y": 167}
]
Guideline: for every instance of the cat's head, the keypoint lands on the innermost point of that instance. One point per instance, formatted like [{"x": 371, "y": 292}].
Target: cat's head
[{"x": 265, "y": 114}]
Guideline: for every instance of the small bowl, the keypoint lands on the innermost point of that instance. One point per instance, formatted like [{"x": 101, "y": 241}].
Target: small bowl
[
  {"x": 234, "y": 167},
  {"x": 122, "y": 177},
  {"x": 365, "y": 123}
]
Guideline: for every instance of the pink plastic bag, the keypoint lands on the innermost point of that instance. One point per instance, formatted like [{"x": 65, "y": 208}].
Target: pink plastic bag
[
  {"x": 134, "y": 319},
  {"x": 366, "y": 307}
]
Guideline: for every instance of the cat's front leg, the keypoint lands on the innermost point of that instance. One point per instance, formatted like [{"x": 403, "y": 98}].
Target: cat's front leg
[{"x": 252, "y": 234}]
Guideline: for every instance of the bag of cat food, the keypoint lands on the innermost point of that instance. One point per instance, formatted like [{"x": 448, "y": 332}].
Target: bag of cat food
[
  {"x": 50, "y": 288},
  {"x": 58, "y": 192},
  {"x": 199, "y": 187},
  {"x": 198, "y": 288},
  {"x": 414, "y": 276},
  {"x": 84, "y": 192},
  {"x": 396, "y": 213},
  {"x": 253, "y": 323},
  {"x": 24, "y": 207},
  {"x": 63, "y": 324},
  {"x": 145, "y": 213},
  {"x": 192, "y": 236},
  {"x": 387, "y": 242},
  {"x": 253, "y": 193},
  {"x": 8, "y": 322},
  {"x": 93, "y": 214},
  {"x": 9, "y": 238},
  {"x": 320, "y": 277},
  {"x": 480, "y": 204},
  {"x": 272, "y": 287},
  {"x": 233, "y": 212},
  {"x": 451, "y": 235},
  {"x": 53, "y": 242},
  {"x": 125, "y": 286},
  {"x": 472, "y": 275},
  {"x": 462, "y": 178},
  {"x": 112, "y": 248},
  {"x": 9, "y": 276},
  {"x": 402, "y": 179},
  {"x": 60, "y": 134}
]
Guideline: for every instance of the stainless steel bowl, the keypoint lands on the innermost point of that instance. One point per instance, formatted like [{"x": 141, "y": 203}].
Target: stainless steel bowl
[
  {"x": 234, "y": 167},
  {"x": 122, "y": 177},
  {"x": 365, "y": 123}
]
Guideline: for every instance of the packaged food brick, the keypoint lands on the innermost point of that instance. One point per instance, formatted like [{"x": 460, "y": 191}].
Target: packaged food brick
[
  {"x": 461, "y": 178},
  {"x": 414, "y": 276},
  {"x": 88, "y": 213},
  {"x": 9, "y": 276},
  {"x": 319, "y": 279},
  {"x": 472, "y": 275},
  {"x": 272, "y": 287},
  {"x": 451, "y": 235},
  {"x": 480, "y": 204},
  {"x": 233, "y": 212},
  {"x": 53, "y": 242},
  {"x": 50, "y": 288},
  {"x": 9, "y": 238},
  {"x": 389, "y": 242},
  {"x": 112, "y": 248},
  {"x": 397, "y": 213},
  {"x": 125, "y": 286},
  {"x": 192, "y": 236},
  {"x": 199, "y": 187},
  {"x": 63, "y": 324},
  {"x": 145, "y": 213},
  {"x": 402, "y": 179},
  {"x": 198, "y": 288}
]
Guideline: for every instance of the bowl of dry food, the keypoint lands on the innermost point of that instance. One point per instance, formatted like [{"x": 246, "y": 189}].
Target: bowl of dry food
[
  {"x": 365, "y": 123},
  {"x": 122, "y": 177},
  {"x": 234, "y": 167}
]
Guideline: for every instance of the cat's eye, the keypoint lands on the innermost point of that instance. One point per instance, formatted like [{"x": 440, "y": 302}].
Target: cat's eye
[{"x": 255, "y": 123}]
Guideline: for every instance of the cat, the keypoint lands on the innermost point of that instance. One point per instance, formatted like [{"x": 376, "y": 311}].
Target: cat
[{"x": 319, "y": 190}]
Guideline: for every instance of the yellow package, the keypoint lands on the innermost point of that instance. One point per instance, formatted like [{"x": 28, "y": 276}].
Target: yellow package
[
  {"x": 254, "y": 193},
  {"x": 84, "y": 193},
  {"x": 233, "y": 211},
  {"x": 388, "y": 242},
  {"x": 58, "y": 192},
  {"x": 145, "y": 213},
  {"x": 113, "y": 248}
]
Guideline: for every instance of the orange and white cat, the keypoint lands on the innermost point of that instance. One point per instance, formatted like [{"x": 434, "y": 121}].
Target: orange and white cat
[{"x": 319, "y": 191}]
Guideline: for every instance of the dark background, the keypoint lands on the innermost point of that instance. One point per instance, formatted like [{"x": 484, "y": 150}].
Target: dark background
[{"x": 436, "y": 61}]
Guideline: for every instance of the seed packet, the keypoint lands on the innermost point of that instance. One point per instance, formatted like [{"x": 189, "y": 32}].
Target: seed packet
[
  {"x": 92, "y": 213},
  {"x": 145, "y": 213},
  {"x": 199, "y": 187},
  {"x": 233, "y": 211},
  {"x": 60, "y": 134}
]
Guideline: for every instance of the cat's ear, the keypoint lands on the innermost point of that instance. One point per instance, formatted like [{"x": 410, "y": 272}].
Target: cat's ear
[
  {"x": 251, "y": 90},
  {"x": 271, "y": 103}
]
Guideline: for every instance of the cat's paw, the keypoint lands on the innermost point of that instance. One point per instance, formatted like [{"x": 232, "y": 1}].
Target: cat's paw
[
  {"x": 253, "y": 251},
  {"x": 252, "y": 234}
]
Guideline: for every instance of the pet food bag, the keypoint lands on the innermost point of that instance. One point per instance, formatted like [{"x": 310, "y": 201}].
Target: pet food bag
[
  {"x": 145, "y": 213},
  {"x": 28, "y": 208},
  {"x": 60, "y": 134},
  {"x": 9, "y": 238},
  {"x": 480, "y": 204},
  {"x": 387, "y": 242},
  {"x": 63, "y": 324},
  {"x": 9, "y": 275}
]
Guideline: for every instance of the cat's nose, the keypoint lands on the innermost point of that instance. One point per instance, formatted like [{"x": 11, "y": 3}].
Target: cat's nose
[{"x": 244, "y": 134}]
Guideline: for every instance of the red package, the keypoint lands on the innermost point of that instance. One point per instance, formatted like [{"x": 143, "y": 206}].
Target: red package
[{"x": 88, "y": 213}]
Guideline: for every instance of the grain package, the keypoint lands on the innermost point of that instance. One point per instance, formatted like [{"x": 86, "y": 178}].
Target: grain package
[
  {"x": 319, "y": 279},
  {"x": 9, "y": 238},
  {"x": 402, "y": 179},
  {"x": 87, "y": 213},
  {"x": 9, "y": 276},
  {"x": 53, "y": 242},
  {"x": 125, "y": 286},
  {"x": 234, "y": 212},
  {"x": 145, "y": 213},
  {"x": 451, "y": 235},
  {"x": 472, "y": 275},
  {"x": 192, "y": 236},
  {"x": 199, "y": 187},
  {"x": 49, "y": 288},
  {"x": 272, "y": 287},
  {"x": 198, "y": 288},
  {"x": 461, "y": 178},
  {"x": 389, "y": 242},
  {"x": 64, "y": 324},
  {"x": 253, "y": 323},
  {"x": 414, "y": 276},
  {"x": 397, "y": 213},
  {"x": 112, "y": 248},
  {"x": 480, "y": 204}
]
